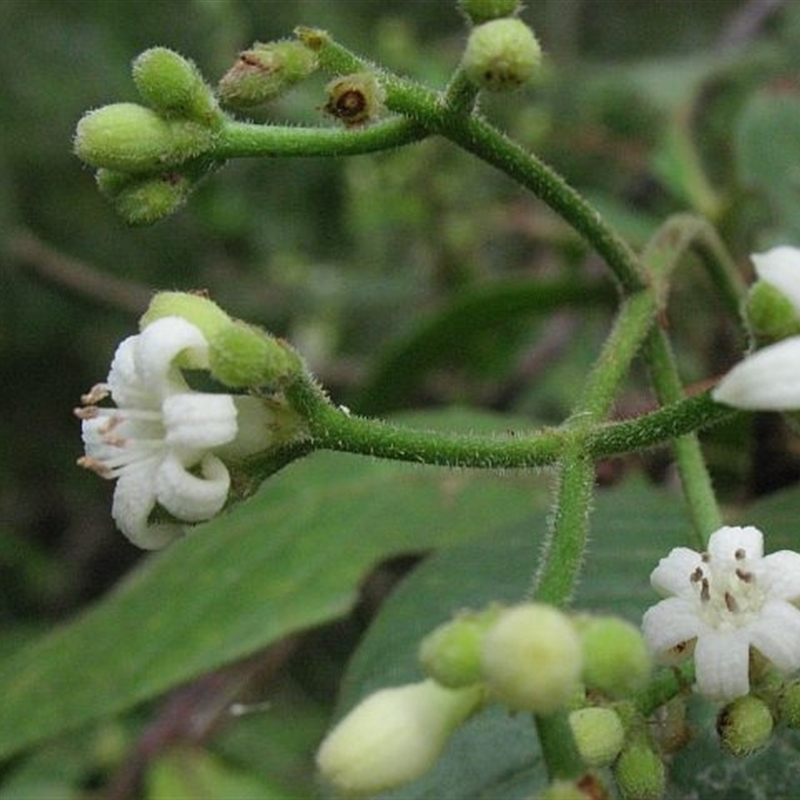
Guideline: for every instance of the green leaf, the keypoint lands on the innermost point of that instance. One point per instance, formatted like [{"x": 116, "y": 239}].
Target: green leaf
[
  {"x": 290, "y": 558},
  {"x": 767, "y": 144},
  {"x": 481, "y": 323},
  {"x": 185, "y": 773}
]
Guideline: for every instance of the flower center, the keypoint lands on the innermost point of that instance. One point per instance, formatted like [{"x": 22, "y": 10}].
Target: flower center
[
  {"x": 727, "y": 592},
  {"x": 118, "y": 439}
]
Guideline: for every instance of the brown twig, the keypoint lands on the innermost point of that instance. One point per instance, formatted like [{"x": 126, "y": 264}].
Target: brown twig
[{"x": 77, "y": 276}]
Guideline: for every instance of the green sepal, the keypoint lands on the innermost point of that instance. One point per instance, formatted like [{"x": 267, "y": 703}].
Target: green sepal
[{"x": 172, "y": 85}]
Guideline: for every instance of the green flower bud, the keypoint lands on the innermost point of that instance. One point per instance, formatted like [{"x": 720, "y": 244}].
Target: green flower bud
[
  {"x": 615, "y": 657},
  {"x": 598, "y": 735},
  {"x": 531, "y": 658},
  {"x": 561, "y": 789},
  {"x": 126, "y": 137},
  {"x": 145, "y": 200},
  {"x": 173, "y": 85},
  {"x": 640, "y": 774},
  {"x": 392, "y": 737},
  {"x": 745, "y": 725},
  {"x": 790, "y": 704},
  {"x": 478, "y": 11},
  {"x": 242, "y": 355},
  {"x": 501, "y": 55},
  {"x": 196, "y": 308},
  {"x": 770, "y": 313},
  {"x": 451, "y": 654},
  {"x": 266, "y": 71},
  {"x": 355, "y": 99}
]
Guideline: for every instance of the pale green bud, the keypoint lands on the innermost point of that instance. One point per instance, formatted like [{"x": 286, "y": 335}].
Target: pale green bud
[
  {"x": 501, "y": 55},
  {"x": 127, "y": 137},
  {"x": 562, "y": 789},
  {"x": 598, "y": 733},
  {"x": 745, "y": 725},
  {"x": 616, "y": 660},
  {"x": 173, "y": 85},
  {"x": 478, "y": 11},
  {"x": 144, "y": 200},
  {"x": 531, "y": 658},
  {"x": 196, "y": 308},
  {"x": 392, "y": 737},
  {"x": 790, "y": 704},
  {"x": 243, "y": 355},
  {"x": 640, "y": 773},
  {"x": 355, "y": 99},
  {"x": 451, "y": 654},
  {"x": 265, "y": 71},
  {"x": 770, "y": 314}
]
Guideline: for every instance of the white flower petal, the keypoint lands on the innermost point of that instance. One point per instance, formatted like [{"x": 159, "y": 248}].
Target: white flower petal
[
  {"x": 668, "y": 624},
  {"x": 768, "y": 379},
  {"x": 780, "y": 267},
  {"x": 189, "y": 497},
  {"x": 776, "y": 634},
  {"x": 124, "y": 382},
  {"x": 134, "y": 499},
  {"x": 199, "y": 421},
  {"x": 159, "y": 344},
  {"x": 671, "y": 576},
  {"x": 725, "y": 542},
  {"x": 780, "y": 571},
  {"x": 722, "y": 664}
]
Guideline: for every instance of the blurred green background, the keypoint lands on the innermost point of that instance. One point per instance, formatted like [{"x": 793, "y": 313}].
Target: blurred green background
[{"x": 649, "y": 108}]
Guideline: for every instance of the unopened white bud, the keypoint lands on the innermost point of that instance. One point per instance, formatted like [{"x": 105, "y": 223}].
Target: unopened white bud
[
  {"x": 392, "y": 737},
  {"x": 532, "y": 658}
]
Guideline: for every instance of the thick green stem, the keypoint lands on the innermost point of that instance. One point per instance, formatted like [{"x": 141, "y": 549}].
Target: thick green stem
[
  {"x": 331, "y": 428},
  {"x": 248, "y": 140},
  {"x": 663, "y": 255},
  {"x": 696, "y": 481},
  {"x": 683, "y": 233},
  {"x": 558, "y": 746},
  {"x": 460, "y": 94},
  {"x": 561, "y": 561},
  {"x": 633, "y": 322}
]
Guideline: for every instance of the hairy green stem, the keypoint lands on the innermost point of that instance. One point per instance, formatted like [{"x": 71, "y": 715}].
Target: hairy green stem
[
  {"x": 562, "y": 557},
  {"x": 695, "y": 479},
  {"x": 666, "y": 684},
  {"x": 478, "y": 137},
  {"x": 246, "y": 139},
  {"x": 684, "y": 233},
  {"x": 558, "y": 746},
  {"x": 331, "y": 428},
  {"x": 663, "y": 255}
]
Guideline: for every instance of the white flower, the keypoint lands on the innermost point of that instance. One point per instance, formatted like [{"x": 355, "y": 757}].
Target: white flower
[
  {"x": 769, "y": 379},
  {"x": 157, "y": 442},
  {"x": 724, "y": 602}
]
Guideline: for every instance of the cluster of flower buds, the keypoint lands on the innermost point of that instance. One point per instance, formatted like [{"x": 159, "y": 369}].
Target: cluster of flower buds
[
  {"x": 168, "y": 446},
  {"x": 149, "y": 157},
  {"x": 529, "y": 657},
  {"x": 502, "y": 52}
]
